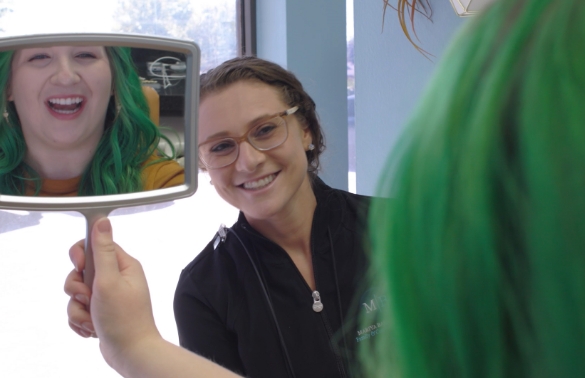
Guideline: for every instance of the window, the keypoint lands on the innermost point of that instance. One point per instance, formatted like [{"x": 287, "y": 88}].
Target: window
[
  {"x": 351, "y": 151},
  {"x": 35, "y": 338}
]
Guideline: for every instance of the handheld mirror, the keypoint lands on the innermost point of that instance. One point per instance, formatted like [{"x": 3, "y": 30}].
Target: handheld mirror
[{"x": 94, "y": 122}]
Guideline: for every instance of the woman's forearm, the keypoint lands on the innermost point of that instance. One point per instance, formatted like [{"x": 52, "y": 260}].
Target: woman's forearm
[{"x": 159, "y": 358}]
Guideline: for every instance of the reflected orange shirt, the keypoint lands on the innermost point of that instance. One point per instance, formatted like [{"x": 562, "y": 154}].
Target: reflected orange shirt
[{"x": 165, "y": 174}]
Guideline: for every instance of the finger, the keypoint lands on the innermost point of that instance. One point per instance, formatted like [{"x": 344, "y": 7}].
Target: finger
[
  {"x": 78, "y": 316},
  {"x": 104, "y": 249},
  {"x": 76, "y": 288},
  {"x": 81, "y": 331},
  {"x": 77, "y": 255},
  {"x": 78, "y": 330}
]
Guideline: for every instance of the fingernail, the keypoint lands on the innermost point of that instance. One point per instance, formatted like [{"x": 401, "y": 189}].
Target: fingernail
[
  {"x": 104, "y": 226},
  {"x": 82, "y": 298},
  {"x": 88, "y": 327},
  {"x": 84, "y": 333}
]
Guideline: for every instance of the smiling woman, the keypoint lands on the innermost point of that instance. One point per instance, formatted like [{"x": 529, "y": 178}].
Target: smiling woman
[
  {"x": 285, "y": 275},
  {"x": 61, "y": 94},
  {"x": 75, "y": 122}
]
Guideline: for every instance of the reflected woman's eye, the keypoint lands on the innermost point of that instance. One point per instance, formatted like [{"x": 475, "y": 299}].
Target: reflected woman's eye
[
  {"x": 38, "y": 57},
  {"x": 223, "y": 147},
  {"x": 85, "y": 55}
]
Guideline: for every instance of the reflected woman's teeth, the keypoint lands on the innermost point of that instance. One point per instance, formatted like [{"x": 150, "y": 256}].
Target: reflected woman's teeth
[
  {"x": 67, "y": 105},
  {"x": 259, "y": 183}
]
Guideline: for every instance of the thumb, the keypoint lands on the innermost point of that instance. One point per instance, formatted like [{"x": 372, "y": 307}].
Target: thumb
[{"x": 104, "y": 249}]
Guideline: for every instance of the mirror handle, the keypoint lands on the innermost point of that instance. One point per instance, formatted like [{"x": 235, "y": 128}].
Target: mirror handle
[{"x": 91, "y": 216}]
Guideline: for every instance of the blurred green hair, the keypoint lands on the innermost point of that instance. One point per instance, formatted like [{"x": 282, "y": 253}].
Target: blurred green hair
[
  {"x": 480, "y": 244},
  {"x": 129, "y": 138}
]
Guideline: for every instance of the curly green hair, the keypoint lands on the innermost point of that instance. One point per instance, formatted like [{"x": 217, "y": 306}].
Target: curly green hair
[{"x": 481, "y": 248}]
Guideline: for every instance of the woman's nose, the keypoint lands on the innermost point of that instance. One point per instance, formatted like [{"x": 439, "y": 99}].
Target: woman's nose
[
  {"x": 65, "y": 73},
  {"x": 249, "y": 158}
]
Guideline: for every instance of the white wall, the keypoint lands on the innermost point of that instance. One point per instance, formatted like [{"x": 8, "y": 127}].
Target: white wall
[
  {"x": 390, "y": 77},
  {"x": 308, "y": 38}
]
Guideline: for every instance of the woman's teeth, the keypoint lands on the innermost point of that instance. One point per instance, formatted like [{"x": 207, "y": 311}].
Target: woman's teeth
[
  {"x": 260, "y": 183},
  {"x": 67, "y": 105},
  {"x": 66, "y": 101}
]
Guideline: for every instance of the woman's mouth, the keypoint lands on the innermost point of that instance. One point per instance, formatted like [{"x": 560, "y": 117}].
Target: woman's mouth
[
  {"x": 68, "y": 105},
  {"x": 259, "y": 184}
]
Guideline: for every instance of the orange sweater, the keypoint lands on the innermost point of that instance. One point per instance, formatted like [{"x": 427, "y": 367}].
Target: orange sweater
[{"x": 160, "y": 175}]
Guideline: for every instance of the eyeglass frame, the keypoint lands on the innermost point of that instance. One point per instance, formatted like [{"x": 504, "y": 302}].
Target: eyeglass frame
[{"x": 245, "y": 137}]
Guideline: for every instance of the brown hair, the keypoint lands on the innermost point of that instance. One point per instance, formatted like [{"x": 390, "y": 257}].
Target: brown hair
[{"x": 293, "y": 94}]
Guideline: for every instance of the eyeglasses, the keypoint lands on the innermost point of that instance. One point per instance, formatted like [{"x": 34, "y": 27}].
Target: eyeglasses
[{"x": 266, "y": 135}]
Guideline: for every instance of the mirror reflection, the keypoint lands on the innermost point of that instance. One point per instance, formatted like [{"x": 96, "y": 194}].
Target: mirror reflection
[{"x": 90, "y": 120}]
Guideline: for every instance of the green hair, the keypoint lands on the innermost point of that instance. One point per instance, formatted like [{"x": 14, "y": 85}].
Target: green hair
[
  {"x": 129, "y": 139},
  {"x": 480, "y": 243}
]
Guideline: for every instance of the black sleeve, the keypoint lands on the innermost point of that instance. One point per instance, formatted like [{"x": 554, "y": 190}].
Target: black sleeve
[{"x": 200, "y": 328}]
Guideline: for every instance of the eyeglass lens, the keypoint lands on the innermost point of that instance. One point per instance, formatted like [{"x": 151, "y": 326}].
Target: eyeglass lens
[{"x": 263, "y": 137}]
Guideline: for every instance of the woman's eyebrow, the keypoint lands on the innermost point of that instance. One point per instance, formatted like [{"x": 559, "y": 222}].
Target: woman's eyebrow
[
  {"x": 259, "y": 119},
  {"x": 249, "y": 125},
  {"x": 220, "y": 134}
]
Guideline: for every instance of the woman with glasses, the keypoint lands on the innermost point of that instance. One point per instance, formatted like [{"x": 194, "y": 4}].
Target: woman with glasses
[{"x": 270, "y": 296}]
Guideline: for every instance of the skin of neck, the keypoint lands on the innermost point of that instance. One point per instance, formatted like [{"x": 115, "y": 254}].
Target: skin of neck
[
  {"x": 291, "y": 227},
  {"x": 60, "y": 164}
]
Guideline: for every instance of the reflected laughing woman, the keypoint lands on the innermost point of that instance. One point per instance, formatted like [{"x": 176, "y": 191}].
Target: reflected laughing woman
[{"x": 75, "y": 122}]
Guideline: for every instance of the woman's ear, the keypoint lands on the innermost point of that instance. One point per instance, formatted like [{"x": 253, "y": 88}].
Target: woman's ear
[
  {"x": 307, "y": 138},
  {"x": 9, "y": 93}
]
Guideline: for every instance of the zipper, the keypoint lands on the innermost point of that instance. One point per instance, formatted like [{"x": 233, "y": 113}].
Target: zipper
[
  {"x": 336, "y": 351},
  {"x": 317, "y": 304},
  {"x": 318, "y": 307}
]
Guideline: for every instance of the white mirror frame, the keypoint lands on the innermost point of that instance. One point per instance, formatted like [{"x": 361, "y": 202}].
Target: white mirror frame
[{"x": 105, "y": 204}]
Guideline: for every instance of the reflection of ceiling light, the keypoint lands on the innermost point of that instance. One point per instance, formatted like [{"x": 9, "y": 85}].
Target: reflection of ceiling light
[{"x": 469, "y": 7}]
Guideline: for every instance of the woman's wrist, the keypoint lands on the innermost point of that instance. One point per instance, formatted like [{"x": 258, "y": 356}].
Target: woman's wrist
[
  {"x": 133, "y": 359},
  {"x": 154, "y": 357}
]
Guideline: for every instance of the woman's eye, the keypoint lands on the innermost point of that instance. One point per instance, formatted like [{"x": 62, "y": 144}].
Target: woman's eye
[
  {"x": 264, "y": 131},
  {"x": 222, "y": 148},
  {"x": 38, "y": 57},
  {"x": 85, "y": 55}
]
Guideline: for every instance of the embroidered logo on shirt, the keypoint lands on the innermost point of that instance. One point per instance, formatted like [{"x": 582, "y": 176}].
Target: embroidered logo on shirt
[{"x": 371, "y": 302}]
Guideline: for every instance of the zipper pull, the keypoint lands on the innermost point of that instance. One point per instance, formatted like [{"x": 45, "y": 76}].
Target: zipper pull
[{"x": 317, "y": 305}]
